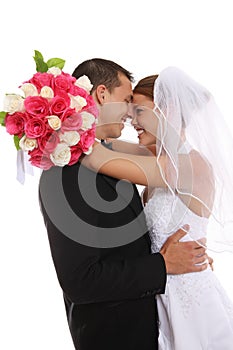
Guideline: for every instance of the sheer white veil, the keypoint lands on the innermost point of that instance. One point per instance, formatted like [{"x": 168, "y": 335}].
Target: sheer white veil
[{"x": 196, "y": 139}]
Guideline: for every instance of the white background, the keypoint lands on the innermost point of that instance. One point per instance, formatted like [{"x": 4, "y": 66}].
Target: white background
[{"x": 144, "y": 37}]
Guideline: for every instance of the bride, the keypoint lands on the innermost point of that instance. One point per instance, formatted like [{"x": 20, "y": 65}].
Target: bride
[{"x": 187, "y": 179}]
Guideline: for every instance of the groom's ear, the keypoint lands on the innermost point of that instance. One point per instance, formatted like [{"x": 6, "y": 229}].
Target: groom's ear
[{"x": 101, "y": 94}]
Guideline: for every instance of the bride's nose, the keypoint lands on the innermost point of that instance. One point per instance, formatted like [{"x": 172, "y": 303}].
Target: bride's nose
[
  {"x": 131, "y": 114},
  {"x": 133, "y": 120},
  {"x": 130, "y": 110}
]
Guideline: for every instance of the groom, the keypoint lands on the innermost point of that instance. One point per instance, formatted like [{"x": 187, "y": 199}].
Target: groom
[{"x": 99, "y": 241}]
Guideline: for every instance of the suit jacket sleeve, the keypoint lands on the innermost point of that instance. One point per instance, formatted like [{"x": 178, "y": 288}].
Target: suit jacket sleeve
[{"x": 86, "y": 276}]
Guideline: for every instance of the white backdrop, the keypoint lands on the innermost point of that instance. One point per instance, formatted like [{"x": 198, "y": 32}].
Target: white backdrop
[{"x": 144, "y": 38}]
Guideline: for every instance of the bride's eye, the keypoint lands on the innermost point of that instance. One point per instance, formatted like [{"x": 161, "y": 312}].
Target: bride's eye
[{"x": 138, "y": 110}]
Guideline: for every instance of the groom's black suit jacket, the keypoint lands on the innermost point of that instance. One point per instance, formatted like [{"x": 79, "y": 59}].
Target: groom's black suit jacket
[{"x": 109, "y": 293}]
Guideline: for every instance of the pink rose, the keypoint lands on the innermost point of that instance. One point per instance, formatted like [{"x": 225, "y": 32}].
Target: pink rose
[
  {"x": 91, "y": 106},
  {"x": 35, "y": 127},
  {"x": 49, "y": 141},
  {"x": 39, "y": 159},
  {"x": 15, "y": 123},
  {"x": 87, "y": 139},
  {"x": 76, "y": 152},
  {"x": 71, "y": 120},
  {"x": 37, "y": 106},
  {"x": 78, "y": 91},
  {"x": 59, "y": 104},
  {"x": 40, "y": 80},
  {"x": 63, "y": 82}
]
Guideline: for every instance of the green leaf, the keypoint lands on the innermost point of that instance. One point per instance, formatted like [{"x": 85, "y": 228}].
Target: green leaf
[
  {"x": 16, "y": 142},
  {"x": 38, "y": 55},
  {"x": 56, "y": 62},
  {"x": 2, "y": 118},
  {"x": 41, "y": 66}
]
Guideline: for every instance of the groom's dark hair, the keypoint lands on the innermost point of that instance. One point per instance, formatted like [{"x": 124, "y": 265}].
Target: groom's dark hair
[{"x": 101, "y": 71}]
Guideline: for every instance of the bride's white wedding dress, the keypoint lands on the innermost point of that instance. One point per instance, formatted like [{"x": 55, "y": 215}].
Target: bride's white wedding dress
[{"x": 195, "y": 312}]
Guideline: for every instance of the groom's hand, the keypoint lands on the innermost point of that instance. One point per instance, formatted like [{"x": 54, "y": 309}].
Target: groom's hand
[{"x": 183, "y": 257}]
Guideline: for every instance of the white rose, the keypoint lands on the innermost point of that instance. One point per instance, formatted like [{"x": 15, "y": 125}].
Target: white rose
[
  {"x": 88, "y": 120},
  {"x": 13, "y": 103},
  {"x": 77, "y": 102},
  {"x": 29, "y": 90},
  {"x": 46, "y": 92},
  {"x": 54, "y": 122},
  {"x": 71, "y": 138},
  {"x": 61, "y": 155},
  {"x": 84, "y": 82},
  {"x": 55, "y": 71},
  {"x": 89, "y": 150},
  {"x": 27, "y": 144}
]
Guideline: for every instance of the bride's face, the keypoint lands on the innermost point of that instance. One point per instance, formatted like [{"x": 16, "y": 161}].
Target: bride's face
[{"x": 144, "y": 120}]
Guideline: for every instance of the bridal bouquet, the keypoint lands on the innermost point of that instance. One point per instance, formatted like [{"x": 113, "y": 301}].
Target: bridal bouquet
[{"x": 54, "y": 121}]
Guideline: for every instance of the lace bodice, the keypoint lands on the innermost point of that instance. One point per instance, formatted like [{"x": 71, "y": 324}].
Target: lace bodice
[{"x": 166, "y": 213}]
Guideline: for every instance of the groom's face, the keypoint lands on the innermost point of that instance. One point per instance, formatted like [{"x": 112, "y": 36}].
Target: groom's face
[{"x": 114, "y": 110}]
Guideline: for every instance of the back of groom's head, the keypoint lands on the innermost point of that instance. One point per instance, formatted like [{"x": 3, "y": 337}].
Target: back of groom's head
[{"x": 101, "y": 71}]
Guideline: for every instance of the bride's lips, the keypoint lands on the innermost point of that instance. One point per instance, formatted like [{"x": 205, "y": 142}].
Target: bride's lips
[{"x": 140, "y": 131}]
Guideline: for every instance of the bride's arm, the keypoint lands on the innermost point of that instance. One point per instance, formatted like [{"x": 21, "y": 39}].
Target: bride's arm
[
  {"x": 138, "y": 169},
  {"x": 194, "y": 180},
  {"x": 131, "y": 147}
]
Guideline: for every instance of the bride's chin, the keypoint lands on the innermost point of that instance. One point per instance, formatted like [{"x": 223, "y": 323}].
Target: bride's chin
[
  {"x": 143, "y": 140},
  {"x": 142, "y": 143}
]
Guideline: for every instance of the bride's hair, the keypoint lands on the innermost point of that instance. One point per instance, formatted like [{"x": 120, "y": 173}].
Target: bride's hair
[{"x": 145, "y": 86}]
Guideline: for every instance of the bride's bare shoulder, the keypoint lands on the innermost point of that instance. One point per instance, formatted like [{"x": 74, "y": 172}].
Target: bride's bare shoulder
[
  {"x": 201, "y": 183},
  {"x": 201, "y": 166}
]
